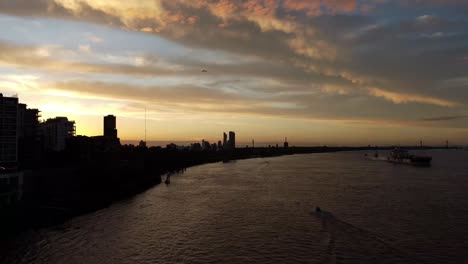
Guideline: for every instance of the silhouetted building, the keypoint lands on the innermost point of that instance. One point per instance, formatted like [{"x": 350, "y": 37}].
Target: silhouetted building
[
  {"x": 286, "y": 144},
  {"x": 205, "y": 145},
  {"x": 11, "y": 180},
  {"x": 110, "y": 141},
  {"x": 55, "y": 132},
  {"x": 225, "y": 146},
  {"x": 171, "y": 146},
  {"x": 195, "y": 147},
  {"x": 110, "y": 126},
  {"x": 29, "y": 141},
  {"x": 232, "y": 140},
  {"x": 8, "y": 131},
  {"x": 220, "y": 145},
  {"x": 142, "y": 144}
]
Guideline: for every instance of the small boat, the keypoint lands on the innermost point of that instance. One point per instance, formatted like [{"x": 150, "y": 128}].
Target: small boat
[{"x": 404, "y": 157}]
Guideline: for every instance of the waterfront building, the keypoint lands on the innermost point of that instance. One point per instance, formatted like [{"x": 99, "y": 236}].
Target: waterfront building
[
  {"x": 142, "y": 144},
  {"x": 109, "y": 141},
  {"x": 110, "y": 126},
  {"x": 18, "y": 135},
  {"x": 171, "y": 146},
  {"x": 8, "y": 131},
  {"x": 55, "y": 132},
  {"x": 195, "y": 147},
  {"x": 286, "y": 144},
  {"x": 225, "y": 146},
  {"x": 232, "y": 140},
  {"x": 205, "y": 145},
  {"x": 29, "y": 141}
]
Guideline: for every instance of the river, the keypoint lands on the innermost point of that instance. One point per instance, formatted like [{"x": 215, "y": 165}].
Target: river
[{"x": 259, "y": 211}]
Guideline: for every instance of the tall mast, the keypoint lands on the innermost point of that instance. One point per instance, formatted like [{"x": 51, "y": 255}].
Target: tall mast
[{"x": 145, "y": 124}]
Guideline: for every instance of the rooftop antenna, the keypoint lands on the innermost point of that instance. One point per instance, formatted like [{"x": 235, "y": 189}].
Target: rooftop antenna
[{"x": 145, "y": 124}]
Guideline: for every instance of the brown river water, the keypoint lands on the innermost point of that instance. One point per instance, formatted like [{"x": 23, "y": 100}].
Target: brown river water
[{"x": 261, "y": 211}]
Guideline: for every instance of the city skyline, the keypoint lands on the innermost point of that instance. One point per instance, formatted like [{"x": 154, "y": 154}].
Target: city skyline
[{"x": 319, "y": 72}]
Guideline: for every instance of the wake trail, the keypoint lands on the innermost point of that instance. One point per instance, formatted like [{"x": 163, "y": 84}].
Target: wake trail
[{"x": 350, "y": 243}]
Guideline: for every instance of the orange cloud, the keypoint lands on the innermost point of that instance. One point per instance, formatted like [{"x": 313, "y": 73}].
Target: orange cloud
[
  {"x": 317, "y": 7},
  {"x": 311, "y": 7},
  {"x": 224, "y": 8},
  {"x": 261, "y": 8},
  {"x": 401, "y": 98},
  {"x": 340, "y": 5}
]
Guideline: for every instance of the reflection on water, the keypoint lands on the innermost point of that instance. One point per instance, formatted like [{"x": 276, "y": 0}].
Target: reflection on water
[{"x": 262, "y": 211}]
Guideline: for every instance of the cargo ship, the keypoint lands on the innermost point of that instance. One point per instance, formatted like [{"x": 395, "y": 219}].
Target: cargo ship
[{"x": 404, "y": 157}]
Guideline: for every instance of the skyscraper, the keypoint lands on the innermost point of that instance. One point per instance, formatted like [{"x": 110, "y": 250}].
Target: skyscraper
[
  {"x": 232, "y": 140},
  {"x": 110, "y": 125},
  {"x": 29, "y": 141},
  {"x": 225, "y": 146},
  {"x": 8, "y": 131}
]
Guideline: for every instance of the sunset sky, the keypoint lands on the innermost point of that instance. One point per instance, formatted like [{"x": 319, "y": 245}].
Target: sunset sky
[{"x": 317, "y": 71}]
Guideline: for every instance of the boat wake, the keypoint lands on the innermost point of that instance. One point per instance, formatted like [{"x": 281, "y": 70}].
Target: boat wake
[
  {"x": 346, "y": 242},
  {"x": 378, "y": 158}
]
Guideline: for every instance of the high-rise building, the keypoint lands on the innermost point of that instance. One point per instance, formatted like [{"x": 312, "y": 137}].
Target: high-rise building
[
  {"x": 29, "y": 143},
  {"x": 109, "y": 142},
  {"x": 28, "y": 121},
  {"x": 8, "y": 131},
  {"x": 225, "y": 140},
  {"x": 110, "y": 126},
  {"x": 55, "y": 132},
  {"x": 10, "y": 179},
  {"x": 232, "y": 140},
  {"x": 286, "y": 144}
]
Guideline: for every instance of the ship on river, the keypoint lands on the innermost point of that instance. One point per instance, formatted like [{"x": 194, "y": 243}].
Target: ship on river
[{"x": 404, "y": 157}]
